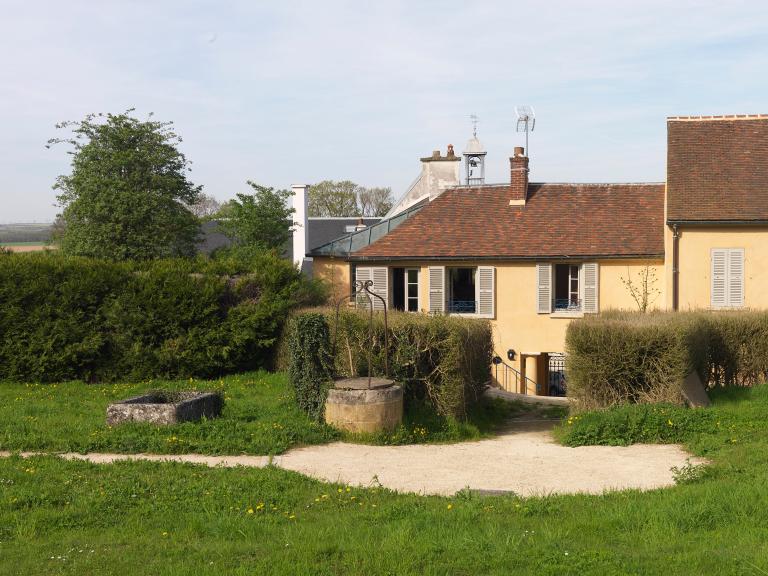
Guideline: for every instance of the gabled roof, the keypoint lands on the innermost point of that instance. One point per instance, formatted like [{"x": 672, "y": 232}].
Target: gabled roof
[
  {"x": 559, "y": 220},
  {"x": 717, "y": 168}
]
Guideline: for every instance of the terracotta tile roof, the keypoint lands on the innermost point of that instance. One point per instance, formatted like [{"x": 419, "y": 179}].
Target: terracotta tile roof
[
  {"x": 611, "y": 220},
  {"x": 717, "y": 168}
]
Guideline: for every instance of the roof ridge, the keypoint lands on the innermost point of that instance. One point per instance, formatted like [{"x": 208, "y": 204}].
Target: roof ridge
[{"x": 719, "y": 117}]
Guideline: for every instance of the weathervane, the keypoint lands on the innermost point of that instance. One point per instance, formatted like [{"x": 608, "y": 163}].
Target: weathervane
[{"x": 475, "y": 120}]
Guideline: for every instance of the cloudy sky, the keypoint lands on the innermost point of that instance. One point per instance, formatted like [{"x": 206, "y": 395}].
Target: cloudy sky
[{"x": 287, "y": 92}]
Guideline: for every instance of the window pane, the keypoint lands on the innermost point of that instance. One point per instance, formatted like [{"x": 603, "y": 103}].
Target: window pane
[
  {"x": 413, "y": 304},
  {"x": 413, "y": 276},
  {"x": 413, "y": 291}
]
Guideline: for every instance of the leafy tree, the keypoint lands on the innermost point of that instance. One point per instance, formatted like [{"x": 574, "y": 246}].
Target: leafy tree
[
  {"x": 262, "y": 219},
  {"x": 374, "y": 201},
  {"x": 345, "y": 198},
  {"x": 205, "y": 207},
  {"x": 126, "y": 197},
  {"x": 330, "y": 198}
]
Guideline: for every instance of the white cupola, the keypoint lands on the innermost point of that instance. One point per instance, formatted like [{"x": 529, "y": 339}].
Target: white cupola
[{"x": 474, "y": 161}]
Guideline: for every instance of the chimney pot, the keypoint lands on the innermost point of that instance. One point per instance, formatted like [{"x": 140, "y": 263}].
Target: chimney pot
[
  {"x": 519, "y": 151},
  {"x": 436, "y": 154}
]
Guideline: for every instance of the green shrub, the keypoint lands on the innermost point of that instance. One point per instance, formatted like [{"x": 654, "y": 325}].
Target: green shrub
[
  {"x": 630, "y": 424},
  {"x": 65, "y": 318},
  {"x": 311, "y": 364},
  {"x": 442, "y": 361},
  {"x": 622, "y": 357}
]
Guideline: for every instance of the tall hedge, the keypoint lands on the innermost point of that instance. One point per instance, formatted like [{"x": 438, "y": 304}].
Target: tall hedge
[
  {"x": 442, "y": 361},
  {"x": 628, "y": 357},
  {"x": 67, "y": 318},
  {"x": 311, "y": 364}
]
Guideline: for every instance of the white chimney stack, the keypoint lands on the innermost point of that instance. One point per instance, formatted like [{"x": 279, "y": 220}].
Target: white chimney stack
[{"x": 300, "y": 239}]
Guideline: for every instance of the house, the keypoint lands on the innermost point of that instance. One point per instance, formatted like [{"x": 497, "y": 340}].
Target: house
[{"x": 531, "y": 256}]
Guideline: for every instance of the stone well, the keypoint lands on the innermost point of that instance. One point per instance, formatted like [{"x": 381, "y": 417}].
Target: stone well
[
  {"x": 163, "y": 408},
  {"x": 355, "y": 406}
]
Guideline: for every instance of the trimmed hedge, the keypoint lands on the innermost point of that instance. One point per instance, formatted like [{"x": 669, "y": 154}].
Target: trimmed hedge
[
  {"x": 65, "y": 318},
  {"x": 622, "y": 357},
  {"x": 442, "y": 361}
]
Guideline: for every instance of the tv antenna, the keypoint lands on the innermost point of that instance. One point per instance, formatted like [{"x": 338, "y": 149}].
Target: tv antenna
[
  {"x": 474, "y": 119},
  {"x": 526, "y": 122}
]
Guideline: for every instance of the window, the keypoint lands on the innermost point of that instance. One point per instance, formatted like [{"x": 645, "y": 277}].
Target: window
[
  {"x": 405, "y": 289},
  {"x": 412, "y": 290},
  {"x": 727, "y": 288},
  {"x": 462, "y": 290},
  {"x": 567, "y": 288}
]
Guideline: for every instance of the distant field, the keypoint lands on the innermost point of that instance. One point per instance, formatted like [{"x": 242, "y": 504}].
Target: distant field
[{"x": 24, "y": 234}]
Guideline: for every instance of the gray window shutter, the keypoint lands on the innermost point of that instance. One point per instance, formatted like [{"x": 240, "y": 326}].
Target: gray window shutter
[
  {"x": 736, "y": 277},
  {"x": 362, "y": 275},
  {"x": 544, "y": 288},
  {"x": 591, "y": 281},
  {"x": 719, "y": 289},
  {"x": 380, "y": 287},
  {"x": 436, "y": 289},
  {"x": 486, "y": 280}
]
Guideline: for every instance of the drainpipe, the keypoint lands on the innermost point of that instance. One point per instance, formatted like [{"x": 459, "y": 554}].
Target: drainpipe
[{"x": 675, "y": 267}]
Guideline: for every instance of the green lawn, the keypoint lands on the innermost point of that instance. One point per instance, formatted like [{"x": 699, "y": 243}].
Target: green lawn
[
  {"x": 259, "y": 418},
  {"x": 60, "y": 517}
]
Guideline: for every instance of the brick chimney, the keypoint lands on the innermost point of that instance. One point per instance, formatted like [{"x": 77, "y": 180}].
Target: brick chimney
[{"x": 519, "y": 171}]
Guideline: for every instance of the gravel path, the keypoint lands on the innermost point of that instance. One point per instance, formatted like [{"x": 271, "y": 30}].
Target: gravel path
[{"x": 525, "y": 460}]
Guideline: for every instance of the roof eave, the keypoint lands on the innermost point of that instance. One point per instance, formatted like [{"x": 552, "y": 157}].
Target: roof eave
[
  {"x": 675, "y": 222},
  {"x": 655, "y": 256}
]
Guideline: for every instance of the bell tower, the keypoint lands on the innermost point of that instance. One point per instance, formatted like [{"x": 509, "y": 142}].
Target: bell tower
[{"x": 474, "y": 158}]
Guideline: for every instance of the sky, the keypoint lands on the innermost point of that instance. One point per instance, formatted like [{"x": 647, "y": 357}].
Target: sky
[{"x": 297, "y": 92}]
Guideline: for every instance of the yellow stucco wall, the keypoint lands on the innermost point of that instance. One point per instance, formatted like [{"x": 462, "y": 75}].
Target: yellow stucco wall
[
  {"x": 334, "y": 271},
  {"x": 695, "y": 248},
  {"x": 517, "y": 325}
]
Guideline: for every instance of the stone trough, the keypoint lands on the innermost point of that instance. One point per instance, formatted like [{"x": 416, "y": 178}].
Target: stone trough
[
  {"x": 165, "y": 408},
  {"x": 360, "y": 405}
]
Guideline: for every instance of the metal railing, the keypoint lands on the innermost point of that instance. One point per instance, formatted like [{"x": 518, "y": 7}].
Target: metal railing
[
  {"x": 567, "y": 304},
  {"x": 462, "y": 306},
  {"x": 354, "y": 241},
  {"x": 511, "y": 378}
]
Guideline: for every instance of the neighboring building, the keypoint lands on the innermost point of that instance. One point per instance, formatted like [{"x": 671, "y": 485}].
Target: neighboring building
[
  {"x": 532, "y": 256},
  {"x": 320, "y": 230}
]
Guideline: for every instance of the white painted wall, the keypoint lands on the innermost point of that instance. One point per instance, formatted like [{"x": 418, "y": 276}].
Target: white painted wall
[
  {"x": 435, "y": 178},
  {"x": 300, "y": 234}
]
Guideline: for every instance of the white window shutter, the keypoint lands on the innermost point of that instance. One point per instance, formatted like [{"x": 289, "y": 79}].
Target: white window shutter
[
  {"x": 486, "y": 280},
  {"x": 719, "y": 290},
  {"x": 736, "y": 278},
  {"x": 380, "y": 287},
  {"x": 436, "y": 289},
  {"x": 591, "y": 288},
  {"x": 544, "y": 288}
]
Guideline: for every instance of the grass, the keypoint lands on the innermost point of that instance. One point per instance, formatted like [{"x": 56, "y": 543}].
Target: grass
[
  {"x": 59, "y": 517},
  {"x": 259, "y": 417}
]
